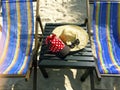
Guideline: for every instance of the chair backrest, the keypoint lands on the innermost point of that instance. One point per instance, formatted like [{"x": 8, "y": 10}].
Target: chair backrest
[
  {"x": 17, "y": 31},
  {"x": 106, "y": 34}
]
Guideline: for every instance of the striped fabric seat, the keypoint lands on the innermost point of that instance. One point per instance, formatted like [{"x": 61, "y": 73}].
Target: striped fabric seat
[
  {"x": 17, "y": 36},
  {"x": 106, "y": 28}
]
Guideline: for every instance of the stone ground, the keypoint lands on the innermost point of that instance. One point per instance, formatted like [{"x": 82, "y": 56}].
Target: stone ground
[{"x": 57, "y": 11}]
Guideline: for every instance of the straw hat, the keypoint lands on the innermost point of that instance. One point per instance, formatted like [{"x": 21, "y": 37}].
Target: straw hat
[{"x": 70, "y": 33}]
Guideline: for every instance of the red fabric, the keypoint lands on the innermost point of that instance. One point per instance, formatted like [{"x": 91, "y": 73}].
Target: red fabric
[{"x": 55, "y": 44}]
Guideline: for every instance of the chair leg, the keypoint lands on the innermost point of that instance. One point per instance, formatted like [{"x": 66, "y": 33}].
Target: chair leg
[
  {"x": 35, "y": 79},
  {"x": 85, "y": 75},
  {"x": 92, "y": 80},
  {"x": 35, "y": 74},
  {"x": 97, "y": 73},
  {"x": 45, "y": 74}
]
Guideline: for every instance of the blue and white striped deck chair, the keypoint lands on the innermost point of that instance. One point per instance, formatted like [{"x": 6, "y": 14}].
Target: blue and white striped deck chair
[
  {"x": 106, "y": 36},
  {"x": 16, "y": 38},
  {"x": 106, "y": 28}
]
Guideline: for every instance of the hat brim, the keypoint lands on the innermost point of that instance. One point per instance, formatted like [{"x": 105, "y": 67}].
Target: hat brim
[{"x": 76, "y": 32}]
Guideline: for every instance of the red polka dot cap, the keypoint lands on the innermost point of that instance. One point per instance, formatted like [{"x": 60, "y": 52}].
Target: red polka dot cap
[{"x": 56, "y": 46}]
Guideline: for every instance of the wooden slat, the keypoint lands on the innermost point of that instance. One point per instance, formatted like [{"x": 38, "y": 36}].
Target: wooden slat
[
  {"x": 63, "y": 64},
  {"x": 75, "y": 58}
]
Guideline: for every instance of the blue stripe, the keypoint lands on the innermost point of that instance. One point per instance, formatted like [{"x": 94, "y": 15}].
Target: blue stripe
[
  {"x": 32, "y": 37},
  {"x": 13, "y": 36},
  {"x": 109, "y": 64},
  {"x": 24, "y": 32},
  {"x": 114, "y": 36},
  {"x": 32, "y": 20},
  {"x": 23, "y": 42},
  {"x": 101, "y": 31}
]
